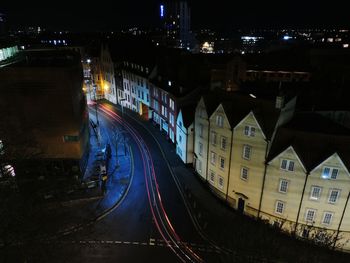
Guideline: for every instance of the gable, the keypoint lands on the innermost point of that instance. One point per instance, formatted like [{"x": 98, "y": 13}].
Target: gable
[
  {"x": 289, "y": 153},
  {"x": 246, "y": 120},
  {"x": 220, "y": 111},
  {"x": 332, "y": 161}
]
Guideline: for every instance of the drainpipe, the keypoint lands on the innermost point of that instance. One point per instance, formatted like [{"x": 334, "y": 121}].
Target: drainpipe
[
  {"x": 229, "y": 166},
  {"x": 264, "y": 179},
  {"x": 301, "y": 202},
  {"x": 206, "y": 176},
  {"x": 341, "y": 221}
]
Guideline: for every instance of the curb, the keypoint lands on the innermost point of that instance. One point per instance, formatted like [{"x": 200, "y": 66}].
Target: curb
[{"x": 178, "y": 185}]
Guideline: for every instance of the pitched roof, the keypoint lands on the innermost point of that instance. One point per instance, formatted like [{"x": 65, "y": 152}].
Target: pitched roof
[
  {"x": 314, "y": 138},
  {"x": 237, "y": 107},
  {"x": 188, "y": 113}
]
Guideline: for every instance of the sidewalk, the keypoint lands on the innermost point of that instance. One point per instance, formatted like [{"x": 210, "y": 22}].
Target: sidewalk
[
  {"x": 119, "y": 172},
  {"x": 250, "y": 240}
]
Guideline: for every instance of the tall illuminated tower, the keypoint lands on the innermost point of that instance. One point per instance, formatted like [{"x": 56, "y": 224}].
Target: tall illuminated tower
[{"x": 175, "y": 16}]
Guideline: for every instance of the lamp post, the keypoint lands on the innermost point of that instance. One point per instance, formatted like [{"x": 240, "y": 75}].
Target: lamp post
[{"x": 96, "y": 114}]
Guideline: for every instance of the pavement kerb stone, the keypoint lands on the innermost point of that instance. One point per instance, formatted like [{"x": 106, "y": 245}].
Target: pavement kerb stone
[
  {"x": 188, "y": 207},
  {"x": 107, "y": 211},
  {"x": 126, "y": 190}
]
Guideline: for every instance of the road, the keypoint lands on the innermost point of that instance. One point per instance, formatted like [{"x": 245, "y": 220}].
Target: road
[{"x": 151, "y": 224}]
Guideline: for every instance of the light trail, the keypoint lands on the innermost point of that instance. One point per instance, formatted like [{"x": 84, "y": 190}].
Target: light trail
[{"x": 162, "y": 221}]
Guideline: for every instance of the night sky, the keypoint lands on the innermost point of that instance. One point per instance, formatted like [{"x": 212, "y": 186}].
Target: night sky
[{"x": 219, "y": 14}]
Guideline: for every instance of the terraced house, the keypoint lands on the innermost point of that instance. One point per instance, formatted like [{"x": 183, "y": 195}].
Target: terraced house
[{"x": 265, "y": 161}]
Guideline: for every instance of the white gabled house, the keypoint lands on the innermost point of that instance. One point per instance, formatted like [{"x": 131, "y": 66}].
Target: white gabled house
[{"x": 185, "y": 134}]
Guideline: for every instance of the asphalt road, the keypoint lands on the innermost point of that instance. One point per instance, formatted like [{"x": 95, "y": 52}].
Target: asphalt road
[{"x": 152, "y": 223}]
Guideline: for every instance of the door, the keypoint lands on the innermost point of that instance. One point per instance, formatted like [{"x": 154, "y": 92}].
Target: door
[{"x": 241, "y": 205}]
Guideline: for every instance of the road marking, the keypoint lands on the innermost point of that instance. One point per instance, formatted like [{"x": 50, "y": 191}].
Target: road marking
[
  {"x": 117, "y": 242},
  {"x": 127, "y": 242},
  {"x": 135, "y": 243},
  {"x": 152, "y": 241}
]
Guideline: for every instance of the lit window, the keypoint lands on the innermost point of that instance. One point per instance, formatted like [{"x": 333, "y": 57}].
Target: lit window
[
  {"x": 279, "y": 208},
  {"x": 330, "y": 173},
  {"x": 327, "y": 218},
  {"x": 247, "y": 152},
  {"x": 249, "y": 131},
  {"x": 222, "y": 162},
  {"x": 287, "y": 165},
  {"x": 221, "y": 182},
  {"x": 220, "y": 121},
  {"x": 223, "y": 142},
  {"x": 315, "y": 192},
  {"x": 283, "y": 186},
  {"x": 213, "y": 158},
  {"x": 310, "y": 215},
  {"x": 333, "y": 196},
  {"x": 244, "y": 173}
]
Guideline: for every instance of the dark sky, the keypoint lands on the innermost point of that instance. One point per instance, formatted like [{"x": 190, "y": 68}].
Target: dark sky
[{"x": 217, "y": 14}]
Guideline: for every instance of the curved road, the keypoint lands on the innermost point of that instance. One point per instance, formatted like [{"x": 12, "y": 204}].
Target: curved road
[{"x": 151, "y": 225}]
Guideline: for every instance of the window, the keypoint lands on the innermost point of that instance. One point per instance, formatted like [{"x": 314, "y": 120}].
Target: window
[
  {"x": 180, "y": 138},
  {"x": 213, "y": 158},
  {"x": 315, "y": 193},
  {"x": 171, "y": 119},
  {"x": 279, "y": 208},
  {"x": 212, "y": 177},
  {"x": 287, "y": 165},
  {"x": 164, "y": 98},
  {"x": 221, "y": 182},
  {"x": 200, "y": 146},
  {"x": 249, "y": 131},
  {"x": 222, "y": 162},
  {"x": 310, "y": 215},
  {"x": 327, "y": 218},
  {"x": 223, "y": 142},
  {"x": 333, "y": 196},
  {"x": 330, "y": 173},
  {"x": 213, "y": 138},
  {"x": 247, "y": 152},
  {"x": 219, "y": 121},
  {"x": 200, "y": 130},
  {"x": 283, "y": 186},
  {"x": 244, "y": 173},
  {"x": 147, "y": 97},
  {"x": 164, "y": 111},
  {"x": 172, "y": 104}
]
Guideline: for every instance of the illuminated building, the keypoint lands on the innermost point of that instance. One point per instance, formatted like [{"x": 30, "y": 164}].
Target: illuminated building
[
  {"x": 176, "y": 19},
  {"x": 290, "y": 169}
]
